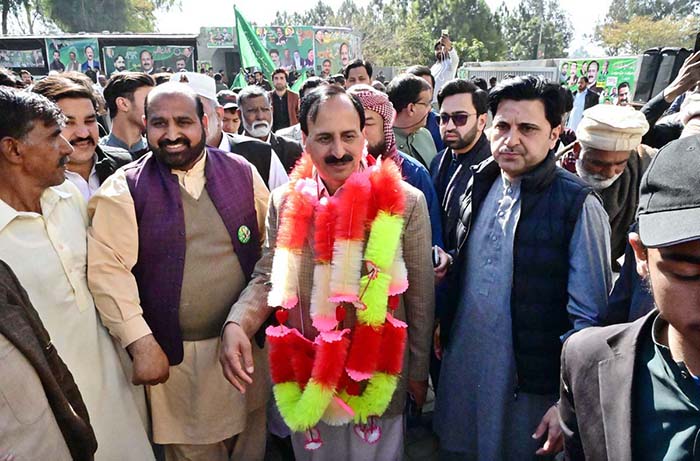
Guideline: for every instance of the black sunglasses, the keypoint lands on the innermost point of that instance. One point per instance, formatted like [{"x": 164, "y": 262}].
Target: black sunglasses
[{"x": 458, "y": 119}]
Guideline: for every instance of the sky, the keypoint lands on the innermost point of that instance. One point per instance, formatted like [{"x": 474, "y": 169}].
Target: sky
[{"x": 196, "y": 13}]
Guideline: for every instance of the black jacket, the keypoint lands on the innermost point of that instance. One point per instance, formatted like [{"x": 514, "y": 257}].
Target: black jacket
[
  {"x": 667, "y": 130},
  {"x": 288, "y": 150},
  {"x": 591, "y": 100},
  {"x": 258, "y": 153},
  {"x": 109, "y": 160}
]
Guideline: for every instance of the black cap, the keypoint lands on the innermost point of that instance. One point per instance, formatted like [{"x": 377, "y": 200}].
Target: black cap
[
  {"x": 227, "y": 99},
  {"x": 669, "y": 201}
]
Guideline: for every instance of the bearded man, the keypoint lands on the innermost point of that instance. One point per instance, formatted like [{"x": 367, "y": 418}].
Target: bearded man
[
  {"x": 255, "y": 110},
  {"x": 159, "y": 227}
]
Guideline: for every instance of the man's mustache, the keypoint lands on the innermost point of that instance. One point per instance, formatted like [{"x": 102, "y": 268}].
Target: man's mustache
[
  {"x": 75, "y": 141},
  {"x": 63, "y": 160},
  {"x": 331, "y": 160}
]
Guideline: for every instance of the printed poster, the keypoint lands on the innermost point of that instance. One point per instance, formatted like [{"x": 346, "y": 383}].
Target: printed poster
[
  {"x": 613, "y": 79},
  {"x": 291, "y": 48},
  {"x": 22, "y": 59},
  {"x": 334, "y": 49},
  {"x": 219, "y": 37},
  {"x": 148, "y": 58},
  {"x": 73, "y": 54}
]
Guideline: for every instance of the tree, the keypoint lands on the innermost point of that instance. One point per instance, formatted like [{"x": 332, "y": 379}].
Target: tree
[
  {"x": 466, "y": 21},
  {"x": 643, "y": 32},
  {"x": 534, "y": 26},
  {"x": 625, "y": 10},
  {"x": 98, "y": 15}
]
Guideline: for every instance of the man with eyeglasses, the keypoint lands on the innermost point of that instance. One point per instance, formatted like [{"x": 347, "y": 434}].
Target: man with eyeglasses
[
  {"x": 411, "y": 97},
  {"x": 462, "y": 121},
  {"x": 532, "y": 267}
]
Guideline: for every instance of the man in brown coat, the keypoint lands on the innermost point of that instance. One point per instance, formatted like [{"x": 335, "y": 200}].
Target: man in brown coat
[
  {"x": 33, "y": 380},
  {"x": 285, "y": 102},
  {"x": 332, "y": 123}
]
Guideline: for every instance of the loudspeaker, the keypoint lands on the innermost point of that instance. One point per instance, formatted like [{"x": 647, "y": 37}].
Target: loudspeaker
[
  {"x": 647, "y": 75},
  {"x": 671, "y": 61}
]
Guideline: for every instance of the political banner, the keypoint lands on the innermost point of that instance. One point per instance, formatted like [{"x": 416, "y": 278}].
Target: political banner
[
  {"x": 219, "y": 37},
  {"x": 22, "y": 59},
  {"x": 334, "y": 48},
  {"x": 73, "y": 54},
  {"x": 148, "y": 58},
  {"x": 289, "y": 47},
  {"x": 613, "y": 79}
]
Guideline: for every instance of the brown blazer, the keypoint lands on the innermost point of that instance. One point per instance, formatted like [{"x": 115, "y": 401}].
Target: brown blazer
[
  {"x": 597, "y": 369},
  {"x": 26, "y": 342},
  {"x": 417, "y": 307},
  {"x": 292, "y": 106}
]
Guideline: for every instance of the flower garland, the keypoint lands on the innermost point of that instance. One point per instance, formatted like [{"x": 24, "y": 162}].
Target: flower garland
[{"x": 342, "y": 375}]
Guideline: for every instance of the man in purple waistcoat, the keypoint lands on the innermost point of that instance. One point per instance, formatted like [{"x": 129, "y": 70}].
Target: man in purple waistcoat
[{"x": 173, "y": 241}]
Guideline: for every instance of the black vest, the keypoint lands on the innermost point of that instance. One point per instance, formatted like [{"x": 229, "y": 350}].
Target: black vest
[
  {"x": 258, "y": 153},
  {"x": 551, "y": 203}
]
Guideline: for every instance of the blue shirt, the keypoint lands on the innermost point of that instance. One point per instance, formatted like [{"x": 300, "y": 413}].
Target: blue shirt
[
  {"x": 433, "y": 125},
  {"x": 416, "y": 175}
]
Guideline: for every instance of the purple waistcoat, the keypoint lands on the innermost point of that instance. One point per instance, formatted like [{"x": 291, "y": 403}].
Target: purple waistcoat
[{"x": 161, "y": 222}]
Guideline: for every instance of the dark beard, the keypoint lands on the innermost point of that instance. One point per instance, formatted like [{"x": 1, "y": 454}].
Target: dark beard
[
  {"x": 182, "y": 159},
  {"x": 463, "y": 141},
  {"x": 378, "y": 150}
]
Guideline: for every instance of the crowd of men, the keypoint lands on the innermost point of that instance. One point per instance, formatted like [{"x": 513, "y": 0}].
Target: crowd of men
[{"x": 162, "y": 239}]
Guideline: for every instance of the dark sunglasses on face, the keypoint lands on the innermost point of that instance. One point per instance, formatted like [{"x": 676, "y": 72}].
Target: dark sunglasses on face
[{"x": 459, "y": 119}]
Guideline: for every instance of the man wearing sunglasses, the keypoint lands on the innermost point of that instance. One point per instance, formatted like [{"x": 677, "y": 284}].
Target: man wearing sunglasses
[{"x": 462, "y": 120}]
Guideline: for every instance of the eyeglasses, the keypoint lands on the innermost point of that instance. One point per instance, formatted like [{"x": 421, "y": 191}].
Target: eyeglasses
[{"x": 459, "y": 119}]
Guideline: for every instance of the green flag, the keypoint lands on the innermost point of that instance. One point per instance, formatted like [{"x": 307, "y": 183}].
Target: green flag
[
  {"x": 299, "y": 82},
  {"x": 253, "y": 53},
  {"x": 239, "y": 81}
]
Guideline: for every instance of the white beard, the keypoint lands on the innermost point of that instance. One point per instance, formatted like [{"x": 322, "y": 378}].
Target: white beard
[
  {"x": 260, "y": 129},
  {"x": 597, "y": 182}
]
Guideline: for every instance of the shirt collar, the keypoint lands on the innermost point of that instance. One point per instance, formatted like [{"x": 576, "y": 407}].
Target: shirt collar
[
  {"x": 224, "y": 145},
  {"x": 49, "y": 198},
  {"x": 197, "y": 170}
]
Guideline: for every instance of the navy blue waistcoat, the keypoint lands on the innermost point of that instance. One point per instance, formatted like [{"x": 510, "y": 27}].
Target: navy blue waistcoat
[{"x": 551, "y": 203}]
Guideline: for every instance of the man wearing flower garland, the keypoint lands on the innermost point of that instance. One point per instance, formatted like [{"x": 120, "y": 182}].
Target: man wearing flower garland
[{"x": 343, "y": 293}]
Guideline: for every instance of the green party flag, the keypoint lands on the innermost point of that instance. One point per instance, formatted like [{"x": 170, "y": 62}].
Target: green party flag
[
  {"x": 253, "y": 53},
  {"x": 239, "y": 81},
  {"x": 300, "y": 81}
]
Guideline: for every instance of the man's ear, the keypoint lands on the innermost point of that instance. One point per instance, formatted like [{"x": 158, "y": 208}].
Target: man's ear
[
  {"x": 123, "y": 104},
  {"x": 554, "y": 136},
  {"x": 640, "y": 254},
  {"x": 9, "y": 151}
]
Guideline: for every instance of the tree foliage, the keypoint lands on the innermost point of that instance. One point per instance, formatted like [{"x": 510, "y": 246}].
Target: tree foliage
[
  {"x": 643, "y": 32},
  {"x": 82, "y": 15},
  {"x": 403, "y": 32},
  {"x": 99, "y": 15},
  {"x": 625, "y": 10},
  {"x": 533, "y": 25}
]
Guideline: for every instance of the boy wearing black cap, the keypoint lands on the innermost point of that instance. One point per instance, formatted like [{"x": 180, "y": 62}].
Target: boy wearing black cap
[{"x": 644, "y": 375}]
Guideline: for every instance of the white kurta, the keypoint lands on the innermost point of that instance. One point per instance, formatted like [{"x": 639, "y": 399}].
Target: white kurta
[{"x": 48, "y": 253}]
